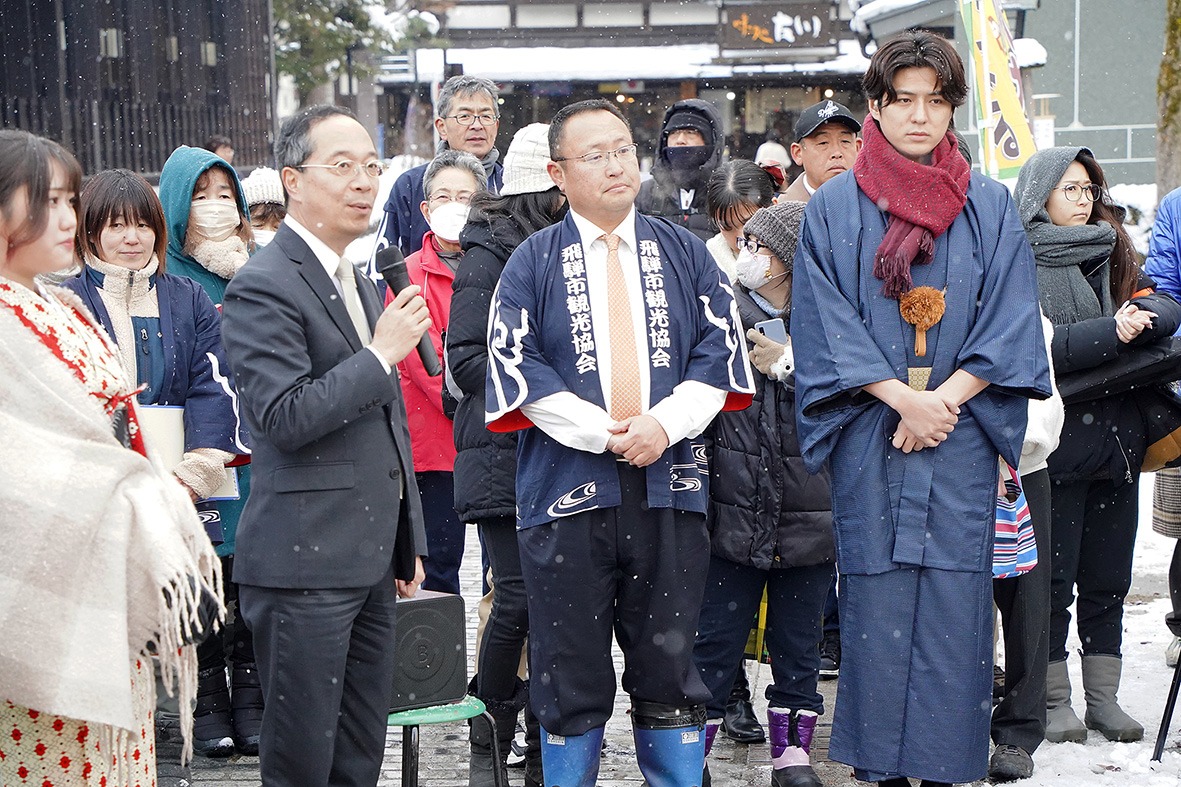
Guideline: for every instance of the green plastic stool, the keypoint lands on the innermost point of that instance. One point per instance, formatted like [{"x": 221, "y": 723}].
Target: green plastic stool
[{"x": 410, "y": 720}]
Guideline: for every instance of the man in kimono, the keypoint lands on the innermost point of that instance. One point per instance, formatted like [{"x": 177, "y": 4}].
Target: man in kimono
[
  {"x": 912, "y": 433},
  {"x": 613, "y": 342}
]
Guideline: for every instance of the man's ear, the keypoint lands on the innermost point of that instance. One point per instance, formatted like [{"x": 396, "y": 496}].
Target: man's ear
[
  {"x": 797, "y": 152},
  {"x": 875, "y": 109},
  {"x": 426, "y": 210},
  {"x": 441, "y": 127},
  {"x": 556, "y": 175},
  {"x": 291, "y": 182}
]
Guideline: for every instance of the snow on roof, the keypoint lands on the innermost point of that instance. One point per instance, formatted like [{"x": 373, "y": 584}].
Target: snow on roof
[
  {"x": 1030, "y": 53},
  {"x": 608, "y": 64},
  {"x": 868, "y": 11}
]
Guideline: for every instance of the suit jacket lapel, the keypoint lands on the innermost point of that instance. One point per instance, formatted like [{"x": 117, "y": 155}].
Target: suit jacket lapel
[{"x": 318, "y": 279}]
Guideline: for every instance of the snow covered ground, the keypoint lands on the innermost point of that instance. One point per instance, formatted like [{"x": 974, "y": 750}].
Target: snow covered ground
[{"x": 1142, "y": 694}]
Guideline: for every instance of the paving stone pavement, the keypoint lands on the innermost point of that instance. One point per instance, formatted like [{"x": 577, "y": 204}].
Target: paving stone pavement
[{"x": 443, "y": 748}]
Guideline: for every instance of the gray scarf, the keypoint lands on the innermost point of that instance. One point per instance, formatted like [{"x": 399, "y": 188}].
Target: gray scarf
[{"x": 1064, "y": 255}]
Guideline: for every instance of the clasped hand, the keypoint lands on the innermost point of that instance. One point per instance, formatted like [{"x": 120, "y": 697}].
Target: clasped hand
[
  {"x": 1130, "y": 322},
  {"x": 639, "y": 439},
  {"x": 928, "y": 417}
]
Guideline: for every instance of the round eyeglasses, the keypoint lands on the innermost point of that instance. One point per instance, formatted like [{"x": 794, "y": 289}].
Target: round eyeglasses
[
  {"x": 347, "y": 168},
  {"x": 751, "y": 245},
  {"x": 1074, "y": 192}
]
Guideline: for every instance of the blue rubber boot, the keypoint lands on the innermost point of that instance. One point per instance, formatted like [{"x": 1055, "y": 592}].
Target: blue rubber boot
[
  {"x": 571, "y": 760},
  {"x": 670, "y": 743}
]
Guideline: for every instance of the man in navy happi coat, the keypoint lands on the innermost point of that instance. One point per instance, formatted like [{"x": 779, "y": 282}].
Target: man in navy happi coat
[
  {"x": 613, "y": 342},
  {"x": 912, "y": 435}
]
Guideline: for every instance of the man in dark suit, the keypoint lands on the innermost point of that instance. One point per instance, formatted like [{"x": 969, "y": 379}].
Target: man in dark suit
[{"x": 332, "y": 530}]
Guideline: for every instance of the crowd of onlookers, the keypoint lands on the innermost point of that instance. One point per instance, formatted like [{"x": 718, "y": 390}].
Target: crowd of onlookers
[{"x": 707, "y": 407}]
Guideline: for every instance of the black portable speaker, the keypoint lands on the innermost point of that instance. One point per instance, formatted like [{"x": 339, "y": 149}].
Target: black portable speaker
[{"x": 431, "y": 651}]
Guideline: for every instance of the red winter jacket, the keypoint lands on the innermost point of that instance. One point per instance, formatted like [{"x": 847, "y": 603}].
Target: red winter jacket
[{"x": 431, "y": 438}]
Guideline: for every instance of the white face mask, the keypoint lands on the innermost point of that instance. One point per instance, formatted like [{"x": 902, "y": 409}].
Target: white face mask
[
  {"x": 263, "y": 237},
  {"x": 447, "y": 220},
  {"x": 214, "y": 219},
  {"x": 753, "y": 270}
]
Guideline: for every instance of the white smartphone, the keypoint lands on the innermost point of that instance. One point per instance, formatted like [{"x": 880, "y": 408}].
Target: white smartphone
[{"x": 773, "y": 329}]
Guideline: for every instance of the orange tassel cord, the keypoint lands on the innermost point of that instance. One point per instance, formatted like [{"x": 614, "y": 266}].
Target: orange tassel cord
[{"x": 922, "y": 307}]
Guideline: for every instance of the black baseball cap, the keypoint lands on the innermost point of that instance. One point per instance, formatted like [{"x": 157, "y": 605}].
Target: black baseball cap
[{"x": 827, "y": 111}]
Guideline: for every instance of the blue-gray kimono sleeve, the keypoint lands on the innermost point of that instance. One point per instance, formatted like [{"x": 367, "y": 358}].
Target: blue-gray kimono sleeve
[{"x": 835, "y": 353}]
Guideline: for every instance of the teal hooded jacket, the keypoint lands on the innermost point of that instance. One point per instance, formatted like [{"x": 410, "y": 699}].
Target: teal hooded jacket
[{"x": 177, "y": 180}]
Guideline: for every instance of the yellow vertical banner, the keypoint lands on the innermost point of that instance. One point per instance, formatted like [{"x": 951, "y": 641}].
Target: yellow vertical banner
[{"x": 1005, "y": 134}]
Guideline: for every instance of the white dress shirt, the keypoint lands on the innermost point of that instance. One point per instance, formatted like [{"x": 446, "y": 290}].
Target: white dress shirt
[
  {"x": 583, "y": 425},
  {"x": 331, "y": 261}
]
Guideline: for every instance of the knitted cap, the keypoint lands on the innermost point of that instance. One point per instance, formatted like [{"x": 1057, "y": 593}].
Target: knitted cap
[
  {"x": 690, "y": 121},
  {"x": 261, "y": 186},
  {"x": 524, "y": 163},
  {"x": 778, "y": 226}
]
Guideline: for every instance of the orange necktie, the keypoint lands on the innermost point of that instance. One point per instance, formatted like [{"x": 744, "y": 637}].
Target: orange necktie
[{"x": 625, "y": 370}]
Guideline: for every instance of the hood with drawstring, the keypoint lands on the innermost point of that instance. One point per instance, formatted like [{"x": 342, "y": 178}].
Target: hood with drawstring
[{"x": 677, "y": 189}]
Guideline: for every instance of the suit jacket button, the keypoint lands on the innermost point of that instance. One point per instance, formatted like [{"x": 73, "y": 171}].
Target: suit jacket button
[{"x": 394, "y": 474}]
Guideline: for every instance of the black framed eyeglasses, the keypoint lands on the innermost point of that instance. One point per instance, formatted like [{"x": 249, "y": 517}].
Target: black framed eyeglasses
[
  {"x": 1074, "y": 192},
  {"x": 467, "y": 118},
  {"x": 752, "y": 245}
]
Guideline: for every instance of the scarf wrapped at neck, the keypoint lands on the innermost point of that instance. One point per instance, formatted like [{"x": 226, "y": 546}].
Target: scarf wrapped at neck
[{"x": 922, "y": 200}]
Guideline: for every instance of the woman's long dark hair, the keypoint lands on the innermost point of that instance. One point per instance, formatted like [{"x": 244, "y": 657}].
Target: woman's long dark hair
[
  {"x": 531, "y": 212},
  {"x": 1125, "y": 263}
]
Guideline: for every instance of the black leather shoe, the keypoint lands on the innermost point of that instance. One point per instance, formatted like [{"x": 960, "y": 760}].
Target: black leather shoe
[{"x": 740, "y": 723}]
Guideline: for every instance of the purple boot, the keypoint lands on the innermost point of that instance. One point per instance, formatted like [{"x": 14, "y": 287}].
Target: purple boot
[
  {"x": 791, "y": 743},
  {"x": 711, "y": 732}
]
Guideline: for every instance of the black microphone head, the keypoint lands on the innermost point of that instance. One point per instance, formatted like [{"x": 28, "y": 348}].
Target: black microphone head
[{"x": 387, "y": 258}]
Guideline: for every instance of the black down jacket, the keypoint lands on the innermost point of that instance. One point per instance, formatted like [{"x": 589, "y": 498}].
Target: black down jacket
[
  {"x": 1105, "y": 439},
  {"x": 485, "y": 462},
  {"x": 765, "y": 510}
]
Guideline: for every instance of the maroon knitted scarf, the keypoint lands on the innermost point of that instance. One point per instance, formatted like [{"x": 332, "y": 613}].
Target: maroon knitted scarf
[{"x": 922, "y": 200}]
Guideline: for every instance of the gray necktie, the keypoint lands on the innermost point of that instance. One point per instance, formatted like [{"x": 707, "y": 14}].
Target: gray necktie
[{"x": 346, "y": 275}]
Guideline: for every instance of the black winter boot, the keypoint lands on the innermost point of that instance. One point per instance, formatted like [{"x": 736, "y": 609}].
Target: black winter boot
[
  {"x": 246, "y": 708},
  {"x": 212, "y": 732},
  {"x": 504, "y": 714}
]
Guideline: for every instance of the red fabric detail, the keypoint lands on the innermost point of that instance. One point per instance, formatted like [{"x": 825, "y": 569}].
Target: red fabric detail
[
  {"x": 58, "y": 724},
  {"x": 1142, "y": 293},
  {"x": 737, "y": 401},
  {"x": 922, "y": 200},
  {"x": 510, "y": 422},
  {"x": 431, "y": 433},
  {"x": 39, "y": 749}
]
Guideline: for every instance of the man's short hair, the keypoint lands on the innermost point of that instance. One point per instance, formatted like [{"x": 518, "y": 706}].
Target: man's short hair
[
  {"x": 915, "y": 49},
  {"x": 217, "y": 141},
  {"x": 570, "y": 110},
  {"x": 293, "y": 144},
  {"x": 458, "y": 159},
  {"x": 464, "y": 85}
]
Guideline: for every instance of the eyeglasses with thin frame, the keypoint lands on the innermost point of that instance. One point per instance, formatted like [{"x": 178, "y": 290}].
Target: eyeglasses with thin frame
[
  {"x": 751, "y": 245},
  {"x": 347, "y": 168},
  {"x": 598, "y": 158},
  {"x": 467, "y": 118},
  {"x": 463, "y": 198},
  {"x": 1074, "y": 192}
]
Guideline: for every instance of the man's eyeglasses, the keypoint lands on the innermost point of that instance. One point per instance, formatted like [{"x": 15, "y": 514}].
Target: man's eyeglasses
[
  {"x": 624, "y": 155},
  {"x": 347, "y": 168},
  {"x": 1074, "y": 192},
  {"x": 443, "y": 199},
  {"x": 751, "y": 245},
  {"x": 467, "y": 118}
]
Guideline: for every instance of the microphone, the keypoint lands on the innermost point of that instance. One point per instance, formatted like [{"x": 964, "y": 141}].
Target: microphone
[{"x": 392, "y": 267}]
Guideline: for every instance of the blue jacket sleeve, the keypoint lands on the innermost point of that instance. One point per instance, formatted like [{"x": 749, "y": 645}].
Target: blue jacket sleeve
[
  {"x": 211, "y": 404},
  {"x": 1164, "y": 257}
]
